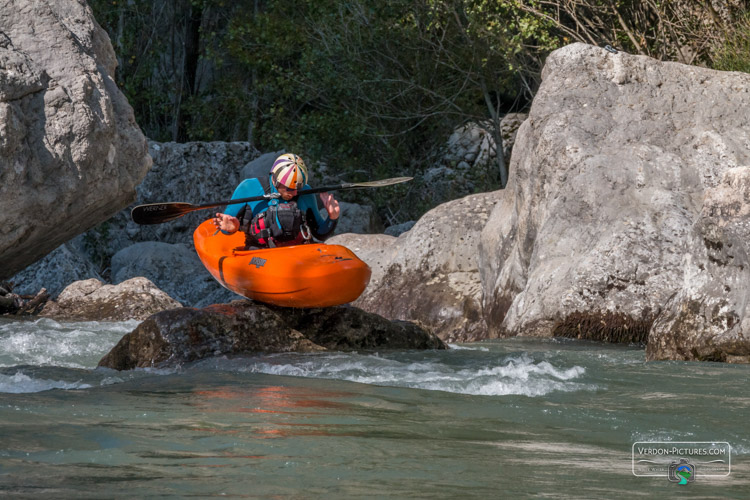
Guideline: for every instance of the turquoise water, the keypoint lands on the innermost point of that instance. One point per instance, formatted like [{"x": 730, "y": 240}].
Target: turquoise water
[{"x": 522, "y": 417}]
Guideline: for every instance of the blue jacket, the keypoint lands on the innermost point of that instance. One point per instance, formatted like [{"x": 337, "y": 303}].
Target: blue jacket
[{"x": 320, "y": 227}]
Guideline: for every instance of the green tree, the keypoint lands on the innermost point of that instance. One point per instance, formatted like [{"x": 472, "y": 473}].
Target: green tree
[
  {"x": 384, "y": 83},
  {"x": 373, "y": 88},
  {"x": 160, "y": 52}
]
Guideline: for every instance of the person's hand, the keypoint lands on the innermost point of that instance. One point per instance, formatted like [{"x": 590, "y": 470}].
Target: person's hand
[
  {"x": 332, "y": 206},
  {"x": 226, "y": 222}
]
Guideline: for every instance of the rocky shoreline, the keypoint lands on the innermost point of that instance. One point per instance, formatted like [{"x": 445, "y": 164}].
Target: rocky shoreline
[{"x": 625, "y": 218}]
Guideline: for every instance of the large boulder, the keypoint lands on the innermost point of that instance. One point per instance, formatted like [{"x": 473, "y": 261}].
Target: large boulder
[
  {"x": 429, "y": 274},
  {"x": 92, "y": 300},
  {"x": 71, "y": 153},
  {"x": 182, "y": 335},
  {"x": 613, "y": 218}
]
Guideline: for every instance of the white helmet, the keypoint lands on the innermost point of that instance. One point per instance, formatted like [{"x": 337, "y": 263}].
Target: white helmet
[{"x": 289, "y": 170}]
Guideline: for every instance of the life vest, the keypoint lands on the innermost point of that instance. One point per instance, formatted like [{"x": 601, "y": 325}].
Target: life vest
[{"x": 282, "y": 224}]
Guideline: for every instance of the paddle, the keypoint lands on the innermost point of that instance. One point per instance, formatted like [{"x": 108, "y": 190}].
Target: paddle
[{"x": 156, "y": 213}]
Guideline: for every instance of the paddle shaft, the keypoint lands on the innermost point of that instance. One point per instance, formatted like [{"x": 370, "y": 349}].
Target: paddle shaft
[
  {"x": 157, "y": 213},
  {"x": 271, "y": 196}
]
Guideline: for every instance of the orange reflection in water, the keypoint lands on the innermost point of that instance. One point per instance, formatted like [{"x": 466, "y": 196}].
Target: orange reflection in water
[
  {"x": 272, "y": 399},
  {"x": 278, "y": 403}
]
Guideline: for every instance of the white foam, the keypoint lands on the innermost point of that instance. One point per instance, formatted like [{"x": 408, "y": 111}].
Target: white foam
[
  {"x": 21, "y": 383},
  {"x": 457, "y": 347},
  {"x": 519, "y": 375},
  {"x": 45, "y": 342}
]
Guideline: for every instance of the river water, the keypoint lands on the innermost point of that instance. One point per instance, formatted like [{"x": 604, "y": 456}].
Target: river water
[{"x": 518, "y": 417}]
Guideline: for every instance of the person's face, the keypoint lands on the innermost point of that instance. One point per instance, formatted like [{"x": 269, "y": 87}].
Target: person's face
[{"x": 286, "y": 193}]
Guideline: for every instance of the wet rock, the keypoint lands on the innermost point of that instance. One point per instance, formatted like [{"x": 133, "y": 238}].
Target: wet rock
[
  {"x": 67, "y": 134},
  {"x": 347, "y": 328},
  {"x": 92, "y": 300},
  {"x": 182, "y": 335}
]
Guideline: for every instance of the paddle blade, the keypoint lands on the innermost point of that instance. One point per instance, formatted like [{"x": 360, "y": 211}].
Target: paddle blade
[
  {"x": 383, "y": 182},
  {"x": 156, "y": 213}
]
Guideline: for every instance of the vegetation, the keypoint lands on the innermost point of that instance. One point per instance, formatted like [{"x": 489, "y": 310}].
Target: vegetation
[
  {"x": 687, "y": 31},
  {"x": 373, "y": 88},
  {"x": 734, "y": 53}
]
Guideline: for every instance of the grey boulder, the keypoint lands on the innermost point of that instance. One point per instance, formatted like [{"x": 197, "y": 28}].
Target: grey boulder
[
  {"x": 92, "y": 300},
  {"x": 429, "y": 274},
  {"x": 71, "y": 153},
  {"x": 625, "y": 215}
]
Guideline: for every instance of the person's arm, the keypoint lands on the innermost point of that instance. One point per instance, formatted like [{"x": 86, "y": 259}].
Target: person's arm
[
  {"x": 228, "y": 222},
  {"x": 321, "y": 227},
  {"x": 331, "y": 205}
]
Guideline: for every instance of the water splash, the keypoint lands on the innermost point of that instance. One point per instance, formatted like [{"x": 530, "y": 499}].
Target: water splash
[
  {"x": 19, "y": 383},
  {"x": 498, "y": 376},
  {"x": 45, "y": 342}
]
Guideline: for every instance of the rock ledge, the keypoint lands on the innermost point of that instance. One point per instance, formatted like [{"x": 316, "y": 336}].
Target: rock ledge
[{"x": 176, "y": 336}]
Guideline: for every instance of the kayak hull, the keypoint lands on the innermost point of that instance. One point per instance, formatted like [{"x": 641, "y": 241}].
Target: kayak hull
[{"x": 312, "y": 275}]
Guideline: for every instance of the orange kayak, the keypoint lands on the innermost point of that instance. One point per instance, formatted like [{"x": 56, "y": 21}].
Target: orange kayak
[{"x": 312, "y": 275}]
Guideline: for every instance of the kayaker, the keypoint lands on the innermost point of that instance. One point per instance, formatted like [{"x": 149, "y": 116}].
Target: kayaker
[{"x": 287, "y": 220}]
